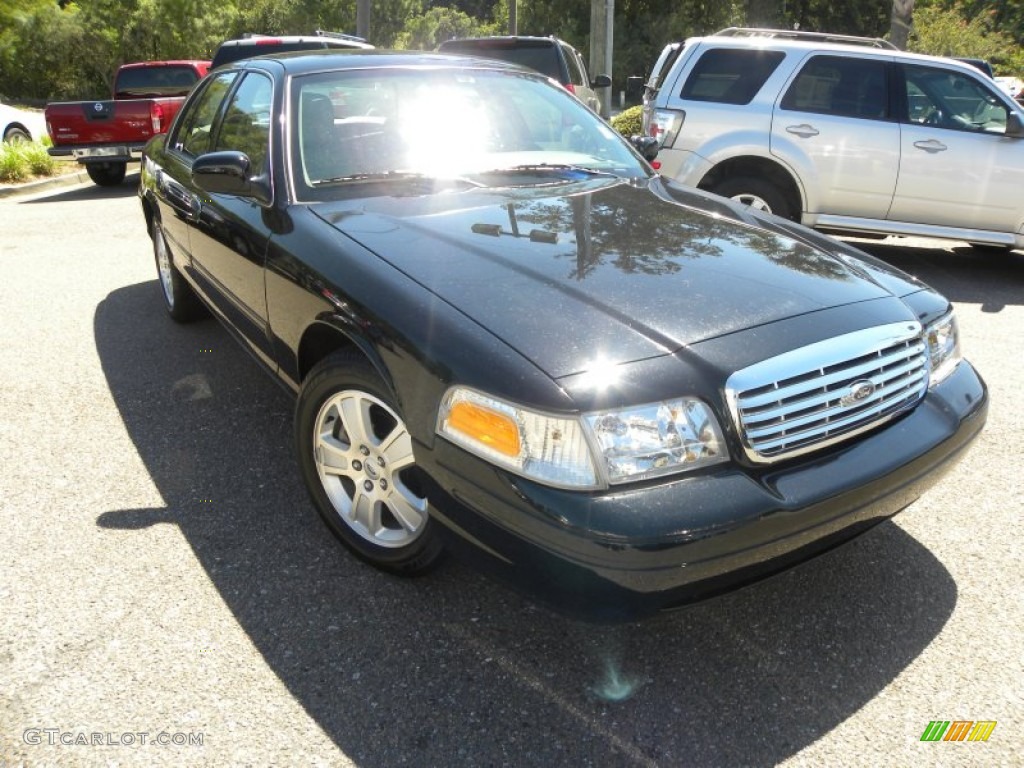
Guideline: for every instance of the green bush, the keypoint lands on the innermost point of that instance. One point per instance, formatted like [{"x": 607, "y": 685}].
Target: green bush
[
  {"x": 21, "y": 161},
  {"x": 13, "y": 167},
  {"x": 627, "y": 122}
]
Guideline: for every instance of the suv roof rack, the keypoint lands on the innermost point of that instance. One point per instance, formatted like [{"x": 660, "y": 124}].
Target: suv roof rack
[
  {"x": 316, "y": 33},
  {"x": 339, "y": 36},
  {"x": 796, "y": 34}
]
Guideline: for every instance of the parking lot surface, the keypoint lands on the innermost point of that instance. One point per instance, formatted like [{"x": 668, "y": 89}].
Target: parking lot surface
[{"x": 169, "y": 596}]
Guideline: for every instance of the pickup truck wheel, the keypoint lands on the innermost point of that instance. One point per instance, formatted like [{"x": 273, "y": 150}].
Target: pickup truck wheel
[
  {"x": 179, "y": 299},
  {"x": 356, "y": 457},
  {"x": 759, "y": 194},
  {"x": 106, "y": 174},
  {"x": 15, "y": 135}
]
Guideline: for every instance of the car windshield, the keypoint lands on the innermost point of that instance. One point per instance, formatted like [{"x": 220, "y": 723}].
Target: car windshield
[{"x": 484, "y": 127}]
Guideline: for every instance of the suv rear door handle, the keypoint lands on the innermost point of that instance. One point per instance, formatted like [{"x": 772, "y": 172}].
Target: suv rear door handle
[
  {"x": 805, "y": 130},
  {"x": 932, "y": 145}
]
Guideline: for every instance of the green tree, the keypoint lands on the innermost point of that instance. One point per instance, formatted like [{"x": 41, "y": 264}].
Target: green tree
[
  {"x": 426, "y": 31},
  {"x": 947, "y": 32}
]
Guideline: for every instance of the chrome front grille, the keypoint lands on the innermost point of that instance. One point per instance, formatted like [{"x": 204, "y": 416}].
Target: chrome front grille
[{"x": 829, "y": 391}]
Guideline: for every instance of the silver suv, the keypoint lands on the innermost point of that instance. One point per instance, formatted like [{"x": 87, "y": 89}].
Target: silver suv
[{"x": 845, "y": 135}]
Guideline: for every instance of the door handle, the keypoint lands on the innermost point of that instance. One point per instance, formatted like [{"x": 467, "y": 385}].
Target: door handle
[
  {"x": 804, "y": 130},
  {"x": 931, "y": 145}
]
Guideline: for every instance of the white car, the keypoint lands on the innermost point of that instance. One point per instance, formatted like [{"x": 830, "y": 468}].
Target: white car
[
  {"x": 21, "y": 124},
  {"x": 1012, "y": 85}
]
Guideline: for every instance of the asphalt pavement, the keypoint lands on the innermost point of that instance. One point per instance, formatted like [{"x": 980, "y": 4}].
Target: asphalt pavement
[{"x": 169, "y": 597}]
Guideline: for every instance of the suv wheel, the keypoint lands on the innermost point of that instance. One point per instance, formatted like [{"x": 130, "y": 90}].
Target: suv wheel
[{"x": 759, "y": 194}]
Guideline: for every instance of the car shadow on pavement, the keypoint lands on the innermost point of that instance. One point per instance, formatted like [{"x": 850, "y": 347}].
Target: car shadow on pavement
[
  {"x": 997, "y": 278},
  {"x": 452, "y": 669}
]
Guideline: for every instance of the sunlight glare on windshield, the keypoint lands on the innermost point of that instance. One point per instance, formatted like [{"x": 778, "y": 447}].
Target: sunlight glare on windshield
[{"x": 442, "y": 129}]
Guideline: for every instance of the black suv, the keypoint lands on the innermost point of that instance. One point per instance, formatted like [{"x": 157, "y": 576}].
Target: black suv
[
  {"x": 548, "y": 55},
  {"x": 256, "y": 45}
]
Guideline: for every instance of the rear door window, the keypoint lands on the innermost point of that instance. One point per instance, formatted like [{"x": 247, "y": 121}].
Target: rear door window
[
  {"x": 841, "y": 85},
  {"x": 730, "y": 76}
]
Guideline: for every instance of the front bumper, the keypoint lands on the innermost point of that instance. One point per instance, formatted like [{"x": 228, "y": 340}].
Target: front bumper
[{"x": 629, "y": 552}]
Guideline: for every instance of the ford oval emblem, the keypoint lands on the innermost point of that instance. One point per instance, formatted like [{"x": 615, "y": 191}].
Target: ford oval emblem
[
  {"x": 98, "y": 106},
  {"x": 859, "y": 391}
]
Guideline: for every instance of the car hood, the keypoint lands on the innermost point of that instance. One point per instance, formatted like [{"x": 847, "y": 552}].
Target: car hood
[{"x": 603, "y": 269}]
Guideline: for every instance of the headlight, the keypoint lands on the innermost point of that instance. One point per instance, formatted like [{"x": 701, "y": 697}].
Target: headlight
[
  {"x": 943, "y": 340},
  {"x": 656, "y": 439},
  {"x": 549, "y": 449},
  {"x": 604, "y": 447}
]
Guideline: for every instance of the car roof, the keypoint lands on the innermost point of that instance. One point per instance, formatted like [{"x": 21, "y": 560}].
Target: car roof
[
  {"x": 242, "y": 47},
  {"x": 308, "y": 62},
  {"x": 777, "y": 43},
  {"x": 505, "y": 38},
  {"x": 166, "y": 63}
]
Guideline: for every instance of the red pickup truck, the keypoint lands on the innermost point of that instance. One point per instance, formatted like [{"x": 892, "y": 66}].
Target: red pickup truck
[{"x": 105, "y": 135}]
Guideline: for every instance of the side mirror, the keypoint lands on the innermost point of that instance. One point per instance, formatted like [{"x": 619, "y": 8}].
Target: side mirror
[
  {"x": 647, "y": 146},
  {"x": 1014, "y": 126},
  {"x": 229, "y": 173},
  {"x": 601, "y": 81}
]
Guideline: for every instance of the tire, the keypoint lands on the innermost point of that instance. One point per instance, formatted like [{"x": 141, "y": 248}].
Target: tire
[
  {"x": 180, "y": 300},
  {"x": 106, "y": 174},
  {"x": 356, "y": 458},
  {"x": 15, "y": 134},
  {"x": 759, "y": 194}
]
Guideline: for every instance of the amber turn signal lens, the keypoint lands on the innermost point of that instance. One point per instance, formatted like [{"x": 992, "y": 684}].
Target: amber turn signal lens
[{"x": 495, "y": 430}]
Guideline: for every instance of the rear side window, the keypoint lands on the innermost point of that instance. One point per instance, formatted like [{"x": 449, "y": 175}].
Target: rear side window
[
  {"x": 836, "y": 85},
  {"x": 666, "y": 59},
  {"x": 574, "y": 66},
  {"x": 729, "y": 76}
]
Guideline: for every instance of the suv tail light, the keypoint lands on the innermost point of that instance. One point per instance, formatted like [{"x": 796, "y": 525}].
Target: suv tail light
[
  {"x": 156, "y": 118},
  {"x": 665, "y": 125},
  {"x": 570, "y": 88}
]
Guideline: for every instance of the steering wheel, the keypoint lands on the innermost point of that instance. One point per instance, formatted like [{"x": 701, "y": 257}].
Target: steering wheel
[{"x": 935, "y": 117}]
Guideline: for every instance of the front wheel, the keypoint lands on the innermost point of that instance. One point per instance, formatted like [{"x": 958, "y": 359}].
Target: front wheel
[
  {"x": 759, "y": 194},
  {"x": 106, "y": 174},
  {"x": 356, "y": 457}
]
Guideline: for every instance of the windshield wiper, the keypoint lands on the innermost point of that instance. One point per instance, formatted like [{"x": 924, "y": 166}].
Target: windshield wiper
[
  {"x": 394, "y": 176},
  {"x": 557, "y": 167}
]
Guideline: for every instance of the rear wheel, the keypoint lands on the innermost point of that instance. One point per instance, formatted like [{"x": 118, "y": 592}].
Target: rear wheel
[
  {"x": 759, "y": 194},
  {"x": 180, "y": 300},
  {"x": 106, "y": 174},
  {"x": 357, "y": 461},
  {"x": 16, "y": 134}
]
